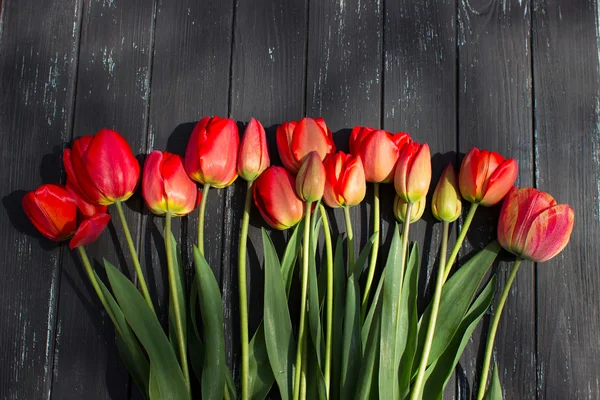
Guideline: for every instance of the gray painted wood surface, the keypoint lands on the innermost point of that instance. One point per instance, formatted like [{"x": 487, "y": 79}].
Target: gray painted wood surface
[{"x": 518, "y": 77}]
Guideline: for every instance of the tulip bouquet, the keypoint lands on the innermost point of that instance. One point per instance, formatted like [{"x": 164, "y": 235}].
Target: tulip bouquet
[{"x": 359, "y": 333}]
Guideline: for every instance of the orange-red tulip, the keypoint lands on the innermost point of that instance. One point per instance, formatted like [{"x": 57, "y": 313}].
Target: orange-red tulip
[
  {"x": 295, "y": 140},
  {"x": 413, "y": 172},
  {"x": 165, "y": 185},
  {"x": 253, "y": 158},
  {"x": 310, "y": 181},
  {"x": 211, "y": 155},
  {"x": 485, "y": 177},
  {"x": 53, "y": 211},
  {"x": 345, "y": 184},
  {"x": 533, "y": 226},
  {"x": 102, "y": 168},
  {"x": 446, "y": 204},
  {"x": 378, "y": 151},
  {"x": 275, "y": 197}
]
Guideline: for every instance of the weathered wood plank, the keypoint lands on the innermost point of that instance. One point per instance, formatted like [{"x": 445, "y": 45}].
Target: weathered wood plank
[
  {"x": 190, "y": 80},
  {"x": 38, "y": 43},
  {"x": 495, "y": 113},
  {"x": 567, "y": 145},
  {"x": 268, "y": 84},
  {"x": 112, "y": 92}
]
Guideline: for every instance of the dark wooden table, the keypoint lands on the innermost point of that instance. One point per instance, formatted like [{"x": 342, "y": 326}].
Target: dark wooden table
[{"x": 518, "y": 77}]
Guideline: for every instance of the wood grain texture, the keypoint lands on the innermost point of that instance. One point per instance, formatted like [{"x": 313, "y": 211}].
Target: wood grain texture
[
  {"x": 567, "y": 139},
  {"x": 38, "y": 44},
  {"x": 112, "y": 92},
  {"x": 420, "y": 98},
  {"x": 495, "y": 113},
  {"x": 268, "y": 81}
]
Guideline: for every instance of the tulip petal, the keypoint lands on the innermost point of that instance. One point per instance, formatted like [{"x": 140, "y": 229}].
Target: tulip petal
[
  {"x": 499, "y": 182},
  {"x": 467, "y": 175},
  {"x": 283, "y": 136},
  {"x": 253, "y": 157},
  {"x": 419, "y": 174},
  {"x": 352, "y": 186},
  {"x": 549, "y": 233},
  {"x": 153, "y": 190},
  {"x": 275, "y": 197},
  {"x": 529, "y": 203},
  {"x": 310, "y": 136},
  {"x": 379, "y": 155},
  {"x": 179, "y": 189},
  {"x": 89, "y": 230},
  {"x": 87, "y": 209}
]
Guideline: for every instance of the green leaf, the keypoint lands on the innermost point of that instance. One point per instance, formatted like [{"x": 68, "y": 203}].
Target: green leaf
[
  {"x": 439, "y": 374},
  {"x": 351, "y": 348},
  {"x": 260, "y": 376},
  {"x": 165, "y": 368},
  {"x": 290, "y": 255},
  {"x": 277, "y": 322},
  {"x": 339, "y": 299},
  {"x": 195, "y": 345},
  {"x": 361, "y": 261},
  {"x": 315, "y": 382},
  {"x": 369, "y": 371},
  {"x": 494, "y": 392},
  {"x": 314, "y": 310},
  {"x": 177, "y": 263},
  {"x": 211, "y": 307},
  {"x": 364, "y": 332},
  {"x": 131, "y": 353},
  {"x": 457, "y": 294},
  {"x": 408, "y": 321},
  {"x": 388, "y": 368}
]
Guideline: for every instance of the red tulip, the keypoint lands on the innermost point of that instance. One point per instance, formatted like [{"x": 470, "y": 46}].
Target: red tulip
[
  {"x": 446, "y": 204},
  {"x": 345, "y": 184},
  {"x": 378, "y": 151},
  {"x": 295, "y": 140},
  {"x": 52, "y": 211},
  {"x": 165, "y": 185},
  {"x": 485, "y": 177},
  {"x": 533, "y": 226},
  {"x": 211, "y": 155},
  {"x": 310, "y": 181},
  {"x": 275, "y": 196},
  {"x": 102, "y": 168},
  {"x": 88, "y": 210},
  {"x": 89, "y": 230},
  {"x": 253, "y": 157},
  {"x": 413, "y": 172}
]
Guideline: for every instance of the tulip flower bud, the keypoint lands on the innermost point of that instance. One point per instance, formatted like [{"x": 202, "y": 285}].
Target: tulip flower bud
[
  {"x": 485, "y": 177},
  {"x": 165, "y": 185},
  {"x": 253, "y": 157},
  {"x": 310, "y": 182},
  {"x": 295, "y": 140},
  {"x": 89, "y": 230},
  {"x": 275, "y": 197},
  {"x": 378, "y": 151},
  {"x": 52, "y": 210},
  {"x": 102, "y": 168},
  {"x": 446, "y": 204},
  {"x": 211, "y": 154},
  {"x": 413, "y": 172},
  {"x": 345, "y": 183},
  {"x": 416, "y": 212},
  {"x": 532, "y": 226}
]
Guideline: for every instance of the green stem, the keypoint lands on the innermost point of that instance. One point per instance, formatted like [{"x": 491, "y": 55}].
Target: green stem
[
  {"x": 460, "y": 239},
  {"x": 90, "y": 272},
  {"x": 329, "y": 322},
  {"x": 350, "y": 235},
  {"x": 419, "y": 381},
  {"x": 175, "y": 301},
  {"x": 301, "y": 329},
  {"x": 243, "y": 295},
  {"x": 375, "y": 248},
  {"x": 134, "y": 256},
  {"x": 489, "y": 347},
  {"x": 201, "y": 212}
]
